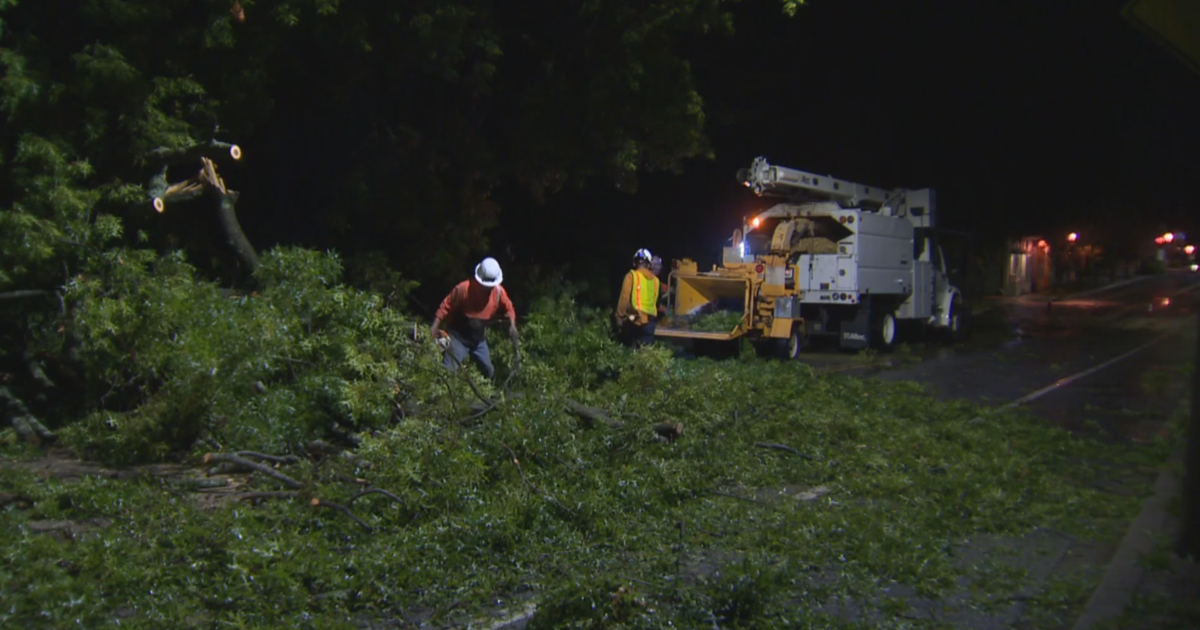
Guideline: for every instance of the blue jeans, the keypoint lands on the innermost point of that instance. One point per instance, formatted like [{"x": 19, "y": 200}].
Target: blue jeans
[{"x": 459, "y": 349}]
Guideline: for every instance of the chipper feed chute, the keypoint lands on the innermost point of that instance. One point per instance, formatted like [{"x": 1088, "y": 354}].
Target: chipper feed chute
[{"x": 703, "y": 296}]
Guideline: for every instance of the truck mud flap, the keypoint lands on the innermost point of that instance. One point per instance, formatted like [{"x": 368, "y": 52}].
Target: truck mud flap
[{"x": 855, "y": 332}]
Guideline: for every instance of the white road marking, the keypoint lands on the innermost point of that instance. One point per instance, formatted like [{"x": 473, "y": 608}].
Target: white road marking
[{"x": 1074, "y": 377}]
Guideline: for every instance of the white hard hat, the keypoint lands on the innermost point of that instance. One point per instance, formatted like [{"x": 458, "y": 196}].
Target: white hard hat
[
  {"x": 488, "y": 273},
  {"x": 642, "y": 255}
]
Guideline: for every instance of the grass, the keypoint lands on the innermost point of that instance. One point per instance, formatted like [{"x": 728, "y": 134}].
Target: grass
[{"x": 603, "y": 527}]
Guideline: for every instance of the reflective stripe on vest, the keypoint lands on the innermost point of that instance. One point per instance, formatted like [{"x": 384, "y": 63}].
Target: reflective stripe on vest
[{"x": 645, "y": 294}]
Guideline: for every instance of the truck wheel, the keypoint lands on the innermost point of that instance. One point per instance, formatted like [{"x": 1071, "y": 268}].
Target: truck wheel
[
  {"x": 796, "y": 342},
  {"x": 884, "y": 333}
]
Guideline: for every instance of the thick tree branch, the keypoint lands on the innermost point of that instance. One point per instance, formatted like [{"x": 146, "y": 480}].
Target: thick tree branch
[
  {"x": 255, "y": 466},
  {"x": 274, "y": 459},
  {"x": 29, "y": 428},
  {"x": 783, "y": 447},
  {"x": 162, "y": 191},
  {"x": 24, "y": 293},
  {"x": 213, "y": 149},
  {"x": 592, "y": 415},
  {"x": 344, "y": 510},
  {"x": 227, "y": 212},
  {"x": 375, "y": 491}
]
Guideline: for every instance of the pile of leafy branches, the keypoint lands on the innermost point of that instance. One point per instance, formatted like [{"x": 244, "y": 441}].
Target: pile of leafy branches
[
  {"x": 717, "y": 321},
  {"x": 783, "y": 489}
]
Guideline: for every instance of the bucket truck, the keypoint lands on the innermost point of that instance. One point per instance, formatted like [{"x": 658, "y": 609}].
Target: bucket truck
[{"x": 832, "y": 258}]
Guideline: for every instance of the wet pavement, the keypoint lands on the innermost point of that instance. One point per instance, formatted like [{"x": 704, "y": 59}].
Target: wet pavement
[
  {"x": 1110, "y": 363},
  {"x": 1024, "y": 345}
]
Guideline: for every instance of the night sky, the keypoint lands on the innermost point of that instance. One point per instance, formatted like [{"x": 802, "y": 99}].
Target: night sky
[{"x": 1027, "y": 117}]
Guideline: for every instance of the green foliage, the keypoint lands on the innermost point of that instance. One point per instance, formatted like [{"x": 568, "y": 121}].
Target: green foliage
[
  {"x": 573, "y": 346},
  {"x": 719, "y": 321},
  {"x": 171, "y": 357},
  {"x": 602, "y": 527}
]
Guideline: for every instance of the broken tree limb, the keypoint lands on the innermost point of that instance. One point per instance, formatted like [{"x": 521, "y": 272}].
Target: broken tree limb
[
  {"x": 375, "y": 491},
  {"x": 212, "y": 149},
  {"x": 27, "y": 426},
  {"x": 36, "y": 372},
  {"x": 274, "y": 459},
  {"x": 24, "y": 293},
  {"x": 344, "y": 510},
  {"x": 227, "y": 213},
  {"x": 255, "y": 496},
  {"x": 783, "y": 447},
  {"x": 592, "y": 415},
  {"x": 255, "y": 466}
]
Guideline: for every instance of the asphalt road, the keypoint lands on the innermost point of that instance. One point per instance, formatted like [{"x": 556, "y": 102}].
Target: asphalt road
[{"x": 1116, "y": 355}]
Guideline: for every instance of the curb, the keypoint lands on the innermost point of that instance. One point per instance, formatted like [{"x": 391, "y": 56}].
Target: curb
[{"x": 1124, "y": 574}]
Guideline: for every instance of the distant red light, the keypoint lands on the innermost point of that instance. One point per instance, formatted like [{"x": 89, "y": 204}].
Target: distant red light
[
  {"x": 1041, "y": 243},
  {"x": 1159, "y": 240}
]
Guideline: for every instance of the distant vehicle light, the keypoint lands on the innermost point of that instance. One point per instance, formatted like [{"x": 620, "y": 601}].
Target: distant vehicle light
[
  {"x": 1042, "y": 244},
  {"x": 1168, "y": 237},
  {"x": 1158, "y": 240},
  {"x": 1072, "y": 237},
  {"x": 1195, "y": 267},
  {"x": 1189, "y": 249}
]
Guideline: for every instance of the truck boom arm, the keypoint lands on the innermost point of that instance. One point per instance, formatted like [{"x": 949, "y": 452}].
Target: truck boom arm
[{"x": 780, "y": 181}]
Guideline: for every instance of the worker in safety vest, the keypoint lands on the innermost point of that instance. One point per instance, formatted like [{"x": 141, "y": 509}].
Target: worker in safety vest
[
  {"x": 466, "y": 311},
  {"x": 637, "y": 306}
]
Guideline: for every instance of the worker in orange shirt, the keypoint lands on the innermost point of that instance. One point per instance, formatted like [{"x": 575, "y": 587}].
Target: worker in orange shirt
[
  {"x": 637, "y": 305},
  {"x": 466, "y": 312}
]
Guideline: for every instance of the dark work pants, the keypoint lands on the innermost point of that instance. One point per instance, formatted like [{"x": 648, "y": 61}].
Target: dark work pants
[{"x": 638, "y": 336}]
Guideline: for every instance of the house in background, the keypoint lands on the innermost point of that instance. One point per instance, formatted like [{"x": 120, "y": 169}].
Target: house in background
[{"x": 1029, "y": 268}]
